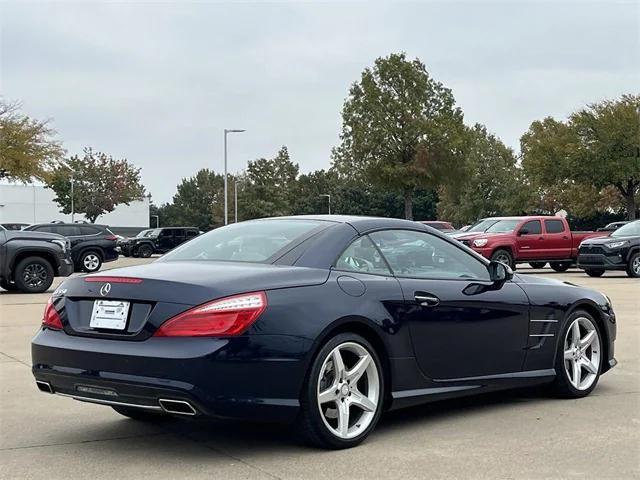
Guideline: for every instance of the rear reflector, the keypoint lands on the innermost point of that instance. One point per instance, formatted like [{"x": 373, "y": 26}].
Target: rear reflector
[
  {"x": 51, "y": 317},
  {"x": 113, "y": 279},
  {"x": 221, "y": 318}
]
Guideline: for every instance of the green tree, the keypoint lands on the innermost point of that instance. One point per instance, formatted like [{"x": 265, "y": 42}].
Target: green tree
[
  {"x": 100, "y": 183},
  {"x": 198, "y": 202},
  {"x": 493, "y": 184},
  {"x": 401, "y": 129},
  {"x": 268, "y": 187},
  {"x": 598, "y": 147},
  {"x": 27, "y": 147}
]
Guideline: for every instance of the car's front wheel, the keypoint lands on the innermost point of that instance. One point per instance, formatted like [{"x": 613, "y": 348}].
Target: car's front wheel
[
  {"x": 579, "y": 357},
  {"x": 343, "y": 396},
  {"x": 33, "y": 275},
  {"x": 633, "y": 265},
  {"x": 145, "y": 251},
  {"x": 503, "y": 256}
]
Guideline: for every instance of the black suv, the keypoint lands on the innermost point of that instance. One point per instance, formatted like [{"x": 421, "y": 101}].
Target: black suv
[
  {"x": 156, "y": 240},
  {"x": 91, "y": 244},
  {"x": 618, "y": 251},
  {"x": 30, "y": 260}
]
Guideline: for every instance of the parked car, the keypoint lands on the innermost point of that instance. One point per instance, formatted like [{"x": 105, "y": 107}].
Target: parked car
[
  {"x": 445, "y": 227},
  {"x": 29, "y": 260},
  {"x": 156, "y": 240},
  {"x": 91, "y": 244},
  {"x": 532, "y": 239},
  {"x": 612, "y": 227},
  {"x": 618, "y": 251},
  {"x": 328, "y": 329},
  {"x": 14, "y": 226}
]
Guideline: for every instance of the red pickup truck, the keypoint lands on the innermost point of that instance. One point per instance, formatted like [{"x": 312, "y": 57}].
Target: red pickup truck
[{"x": 535, "y": 240}]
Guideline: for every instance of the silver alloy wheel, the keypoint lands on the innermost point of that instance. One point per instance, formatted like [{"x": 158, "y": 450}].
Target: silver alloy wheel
[
  {"x": 348, "y": 390},
  {"x": 582, "y": 353},
  {"x": 91, "y": 262},
  {"x": 635, "y": 265},
  {"x": 503, "y": 258}
]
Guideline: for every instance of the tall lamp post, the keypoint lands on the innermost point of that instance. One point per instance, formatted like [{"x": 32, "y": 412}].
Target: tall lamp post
[
  {"x": 227, "y": 131},
  {"x": 329, "y": 197},
  {"x": 157, "y": 217}
]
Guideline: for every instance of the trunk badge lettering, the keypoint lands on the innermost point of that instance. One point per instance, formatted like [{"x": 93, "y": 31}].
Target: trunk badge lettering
[{"x": 105, "y": 289}]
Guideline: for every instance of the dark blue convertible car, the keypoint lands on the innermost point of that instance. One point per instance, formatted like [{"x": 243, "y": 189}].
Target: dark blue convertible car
[{"x": 325, "y": 321}]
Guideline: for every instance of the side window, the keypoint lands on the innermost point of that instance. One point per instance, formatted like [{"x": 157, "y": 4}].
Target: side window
[
  {"x": 85, "y": 230},
  {"x": 179, "y": 234},
  {"x": 192, "y": 233},
  {"x": 69, "y": 230},
  {"x": 422, "y": 255},
  {"x": 362, "y": 256},
  {"x": 554, "y": 226},
  {"x": 44, "y": 228},
  {"x": 532, "y": 227},
  {"x": 166, "y": 233}
]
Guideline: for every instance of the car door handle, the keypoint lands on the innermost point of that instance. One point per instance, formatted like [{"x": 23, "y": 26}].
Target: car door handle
[{"x": 426, "y": 299}]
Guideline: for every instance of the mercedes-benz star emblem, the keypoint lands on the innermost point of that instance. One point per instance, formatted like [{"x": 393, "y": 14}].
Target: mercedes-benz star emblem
[{"x": 105, "y": 289}]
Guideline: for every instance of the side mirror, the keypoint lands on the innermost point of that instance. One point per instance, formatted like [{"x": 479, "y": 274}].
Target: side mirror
[
  {"x": 499, "y": 272},
  {"x": 523, "y": 231}
]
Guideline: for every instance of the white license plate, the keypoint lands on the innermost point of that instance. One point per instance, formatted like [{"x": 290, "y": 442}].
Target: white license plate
[{"x": 110, "y": 314}]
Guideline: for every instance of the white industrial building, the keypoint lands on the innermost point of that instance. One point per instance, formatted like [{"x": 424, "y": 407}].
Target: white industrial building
[{"x": 33, "y": 203}]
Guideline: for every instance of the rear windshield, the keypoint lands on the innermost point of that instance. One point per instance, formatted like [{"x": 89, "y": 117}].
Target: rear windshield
[
  {"x": 503, "y": 226},
  {"x": 253, "y": 241}
]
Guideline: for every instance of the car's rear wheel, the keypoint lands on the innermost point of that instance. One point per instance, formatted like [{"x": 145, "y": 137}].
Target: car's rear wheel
[
  {"x": 91, "y": 261},
  {"x": 138, "y": 413},
  {"x": 579, "y": 357},
  {"x": 344, "y": 392},
  {"x": 560, "y": 266},
  {"x": 594, "y": 272},
  {"x": 538, "y": 264},
  {"x": 503, "y": 256},
  {"x": 145, "y": 251},
  {"x": 33, "y": 275},
  {"x": 8, "y": 286},
  {"x": 633, "y": 265}
]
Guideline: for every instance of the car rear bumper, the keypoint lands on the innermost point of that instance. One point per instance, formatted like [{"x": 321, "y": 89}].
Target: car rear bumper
[{"x": 257, "y": 377}]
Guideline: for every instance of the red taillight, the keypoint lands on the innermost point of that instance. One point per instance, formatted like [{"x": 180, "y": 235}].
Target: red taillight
[
  {"x": 221, "y": 318},
  {"x": 113, "y": 279},
  {"x": 51, "y": 317}
]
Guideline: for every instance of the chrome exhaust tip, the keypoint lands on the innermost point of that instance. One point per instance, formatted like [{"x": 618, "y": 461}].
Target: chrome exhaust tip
[
  {"x": 44, "y": 386},
  {"x": 177, "y": 407}
]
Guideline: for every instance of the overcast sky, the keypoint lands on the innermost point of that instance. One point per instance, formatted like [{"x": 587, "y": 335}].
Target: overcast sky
[{"x": 157, "y": 82}]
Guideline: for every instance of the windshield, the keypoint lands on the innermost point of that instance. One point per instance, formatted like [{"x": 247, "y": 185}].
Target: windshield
[
  {"x": 628, "y": 230},
  {"x": 144, "y": 233},
  {"x": 253, "y": 241},
  {"x": 503, "y": 226},
  {"x": 482, "y": 225}
]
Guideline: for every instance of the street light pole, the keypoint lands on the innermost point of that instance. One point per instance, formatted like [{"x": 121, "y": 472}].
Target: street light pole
[
  {"x": 157, "y": 217},
  {"x": 329, "y": 197},
  {"x": 227, "y": 131}
]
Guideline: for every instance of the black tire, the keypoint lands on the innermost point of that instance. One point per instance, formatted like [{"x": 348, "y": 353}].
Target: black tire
[
  {"x": 33, "y": 275},
  {"x": 560, "y": 266},
  {"x": 562, "y": 385},
  {"x": 594, "y": 272},
  {"x": 504, "y": 256},
  {"x": 90, "y": 261},
  {"x": 138, "y": 414},
  {"x": 145, "y": 251},
  {"x": 310, "y": 424},
  {"x": 538, "y": 264},
  {"x": 633, "y": 265}
]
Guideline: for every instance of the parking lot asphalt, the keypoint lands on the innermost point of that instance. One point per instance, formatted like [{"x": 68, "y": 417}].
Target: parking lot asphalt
[{"x": 522, "y": 434}]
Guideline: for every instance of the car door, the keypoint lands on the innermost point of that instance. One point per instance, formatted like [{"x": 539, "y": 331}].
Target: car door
[
  {"x": 165, "y": 239},
  {"x": 558, "y": 239},
  {"x": 461, "y": 325},
  {"x": 530, "y": 241},
  {"x": 179, "y": 236}
]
